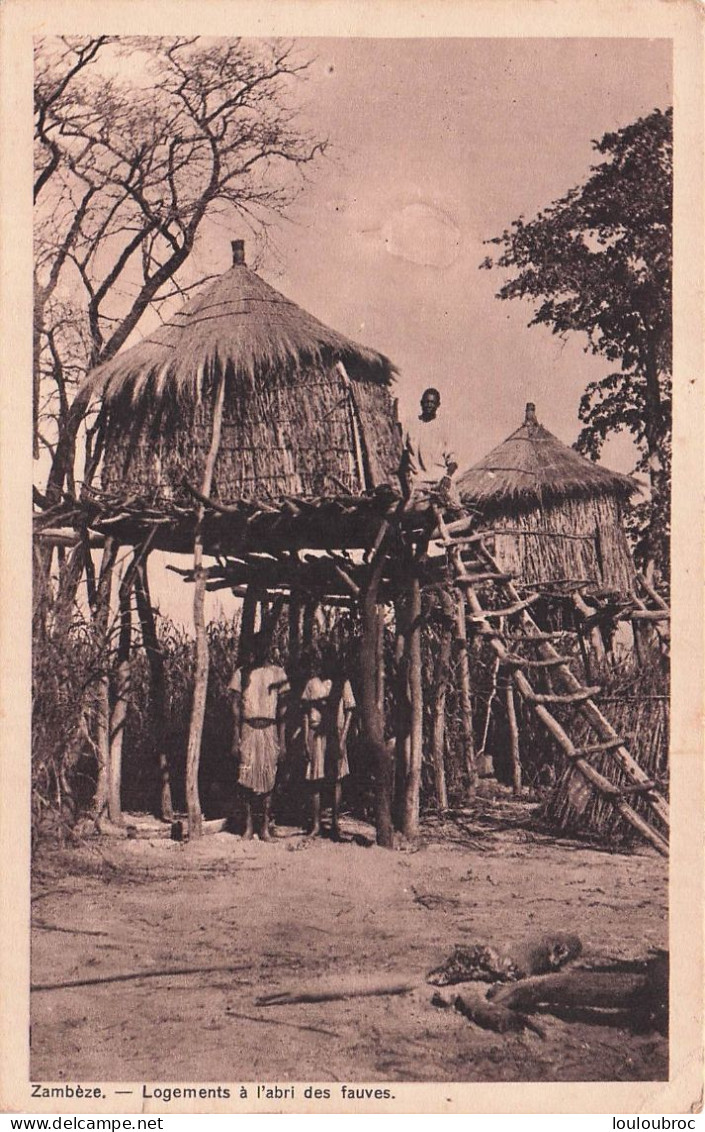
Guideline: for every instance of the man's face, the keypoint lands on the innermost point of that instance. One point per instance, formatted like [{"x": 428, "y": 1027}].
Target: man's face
[{"x": 430, "y": 403}]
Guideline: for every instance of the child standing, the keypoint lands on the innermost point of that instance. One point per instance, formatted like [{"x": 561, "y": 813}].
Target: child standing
[
  {"x": 328, "y": 703},
  {"x": 258, "y": 689}
]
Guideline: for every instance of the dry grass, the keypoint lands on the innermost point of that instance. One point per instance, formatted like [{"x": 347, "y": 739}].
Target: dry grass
[{"x": 240, "y": 323}]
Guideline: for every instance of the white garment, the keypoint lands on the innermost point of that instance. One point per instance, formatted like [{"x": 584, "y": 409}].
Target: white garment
[
  {"x": 430, "y": 449},
  {"x": 327, "y": 748}
]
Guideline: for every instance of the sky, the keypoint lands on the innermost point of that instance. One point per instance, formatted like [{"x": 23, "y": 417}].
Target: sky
[{"x": 436, "y": 145}]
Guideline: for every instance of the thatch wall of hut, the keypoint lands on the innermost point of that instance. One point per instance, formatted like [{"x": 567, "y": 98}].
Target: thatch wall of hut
[
  {"x": 576, "y": 539},
  {"x": 305, "y": 431},
  {"x": 559, "y": 516},
  {"x": 644, "y": 719}
]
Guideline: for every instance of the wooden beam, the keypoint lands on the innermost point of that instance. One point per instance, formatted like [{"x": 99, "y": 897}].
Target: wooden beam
[
  {"x": 493, "y": 614},
  {"x": 198, "y": 708},
  {"x": 372, "y": 718},
  {"x": 118, "y": 716},
  {"x": 155, "y": 660},
  {"x": 413, "y": 645},
  {"x": 578, "y": 697},
  {"x": 513, "y": 661},
  {"x": 440, "y": 688},
  {"x": 513, "y": 740},
  {"x": 465, "y": 697}
]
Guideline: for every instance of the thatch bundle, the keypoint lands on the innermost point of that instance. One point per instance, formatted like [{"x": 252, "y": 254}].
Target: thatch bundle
[
  {"x": 557, "y": 515},
  {"x": 306, "y": 412}
]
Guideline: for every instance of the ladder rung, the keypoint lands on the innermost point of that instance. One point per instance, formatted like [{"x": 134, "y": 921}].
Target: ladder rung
[
  {"x": 465, "y": 540},
  {"x": 522, "y": 662},
  {"x": 541, "y": 637},
  {"x": 599, "y": 748},
  {"x": 568, "y": 698},
  {"x": 507, "y": 612},
  {"x": 483, "y": 576},
  {"x": 637, "y": 788}
]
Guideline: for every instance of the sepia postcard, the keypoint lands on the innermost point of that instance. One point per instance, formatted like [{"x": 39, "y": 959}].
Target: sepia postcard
[{"x": 352, "y": 557}]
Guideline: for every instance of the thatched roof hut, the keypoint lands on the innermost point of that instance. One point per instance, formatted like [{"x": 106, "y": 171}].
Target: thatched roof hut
[
  {"x": 306, "y": 412},
  {"x": 557, "y": 516}
]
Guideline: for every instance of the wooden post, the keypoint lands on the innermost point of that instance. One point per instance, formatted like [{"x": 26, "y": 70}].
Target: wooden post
[
  {"x": 380, "y": 659},
  {"x": 439, "y": 713},
  {"x": 198, "y": 709},
  {"x": 118, "y": 717},
  {"x": 413, "y": 779},
  {"x": 309, "y": 619},
  {"x": 101, "y": 617},
  {"x": 371, "y": 716},
  {"x": 461, "y": 637},
  {"x": 402, "y": 752},
  {"x": 294, "y": 630},
  {"x": 155, "y": 659},
  {"x": 513, "y": 739},
  {"x": 247, "y": 622},
  {"x": 596, "y": 638}
]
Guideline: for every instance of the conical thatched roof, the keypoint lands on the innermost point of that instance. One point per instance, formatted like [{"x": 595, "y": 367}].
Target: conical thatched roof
[
  {"x": 238, "y": 322},
  {"x": 532, "y": 465}
]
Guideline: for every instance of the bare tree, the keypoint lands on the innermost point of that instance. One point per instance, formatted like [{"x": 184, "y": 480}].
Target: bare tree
[
  {"x": 127, "y": 170},
  {"x": 137, "y": 143}
]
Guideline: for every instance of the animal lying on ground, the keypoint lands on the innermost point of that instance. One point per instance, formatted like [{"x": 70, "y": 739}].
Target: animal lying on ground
[
  {"x": 632, "y": 994},
  {"x": 527, "y": 979},
  {"x": 479, "y": 962},
  {"x": 484, "y": 963}
]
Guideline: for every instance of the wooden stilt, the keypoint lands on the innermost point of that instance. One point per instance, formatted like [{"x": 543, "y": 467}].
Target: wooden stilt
[
  {"x": 380, "y": 659},
  {"x": 247, "y": 623},
  {"x": 155, "y": 659},
  {"x": 371, "y": 716},
  {"x": 118, "y": 717},
  {"x": 102, "y": 692},
  {"x": 413, "y": 780},
  {"x": 465, "y": 697},
  {"x": 402, "y": 717},
  {"x": 596, "y": 640},
  {"x": 294, "y": 629},
  {"x": 309, "y": 620},
  {"x": 513, "y": 740},
  {"x": 440, "y": 688},
  {"x": 198, "y": 709}
]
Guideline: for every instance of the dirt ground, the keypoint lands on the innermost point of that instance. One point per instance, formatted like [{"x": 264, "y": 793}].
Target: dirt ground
[{"x": 292, "y": 912}]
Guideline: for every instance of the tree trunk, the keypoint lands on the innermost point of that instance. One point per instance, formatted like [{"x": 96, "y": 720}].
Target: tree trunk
[
  {"x": 198, "y": 710},
  {"x": 155, "y": 659},
  {"x": 653, "y": 431},
  {"x": 413, "y": 780},
  {"x": 439, "y": 714}
]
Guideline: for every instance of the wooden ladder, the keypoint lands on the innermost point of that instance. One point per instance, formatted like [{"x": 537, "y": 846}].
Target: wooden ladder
[{"x": 479, "y": 566}]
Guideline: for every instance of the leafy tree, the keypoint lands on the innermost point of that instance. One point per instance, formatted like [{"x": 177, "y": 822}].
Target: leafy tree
[{"x": 599, "y": 261}]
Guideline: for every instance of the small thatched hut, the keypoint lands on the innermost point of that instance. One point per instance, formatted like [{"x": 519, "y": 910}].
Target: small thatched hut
[
  {"x": 305, "y": 410},
  {"x": 557, "y": 516}
]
